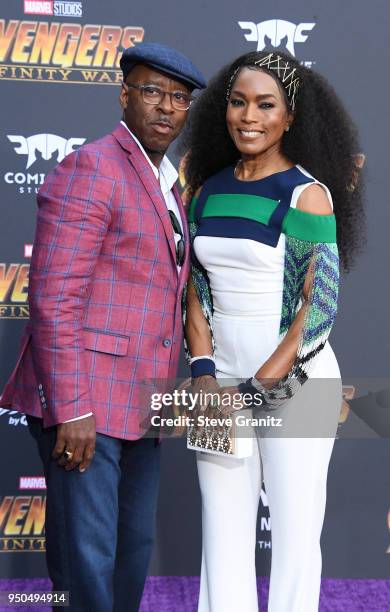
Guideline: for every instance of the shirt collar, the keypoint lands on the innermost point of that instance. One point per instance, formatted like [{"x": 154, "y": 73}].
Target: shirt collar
[{"x": 166, "y": 174}]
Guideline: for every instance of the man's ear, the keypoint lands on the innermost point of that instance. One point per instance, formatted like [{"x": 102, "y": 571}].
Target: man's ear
[{"x": 123, "y": 96}]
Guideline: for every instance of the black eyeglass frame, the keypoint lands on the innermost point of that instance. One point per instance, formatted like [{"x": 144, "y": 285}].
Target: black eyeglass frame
[{"x": 142, "y": 89}]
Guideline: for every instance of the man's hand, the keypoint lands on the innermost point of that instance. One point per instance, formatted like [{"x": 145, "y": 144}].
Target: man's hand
[{"x": 78, "y": 438}]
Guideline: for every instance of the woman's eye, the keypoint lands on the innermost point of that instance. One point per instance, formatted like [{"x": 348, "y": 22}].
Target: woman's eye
[
  {"x": 266, "y": 105},
  {"x": 236, "y": 102}
]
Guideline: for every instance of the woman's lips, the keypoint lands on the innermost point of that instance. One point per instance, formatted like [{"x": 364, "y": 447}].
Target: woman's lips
[{"x": 250, "y": 134}]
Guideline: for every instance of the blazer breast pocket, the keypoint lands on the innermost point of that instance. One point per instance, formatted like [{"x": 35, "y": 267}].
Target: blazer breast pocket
[{"x": 105, "y": 342}]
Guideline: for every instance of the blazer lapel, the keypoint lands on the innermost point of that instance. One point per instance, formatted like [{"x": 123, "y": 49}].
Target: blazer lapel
[
  {"x": 183, "y": 214},
  {"x": 185, "y": 267},
  {"x": 149, "y": 181}
]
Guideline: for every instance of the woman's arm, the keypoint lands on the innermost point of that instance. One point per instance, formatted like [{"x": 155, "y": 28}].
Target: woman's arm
[
  {"x": 282, "y": 359},
  {"x": 199, "y": 344},
  {"x": 197, "y": 316},
  {"x": 312, "y": 200},
  {"x": 196, "y": 328}
]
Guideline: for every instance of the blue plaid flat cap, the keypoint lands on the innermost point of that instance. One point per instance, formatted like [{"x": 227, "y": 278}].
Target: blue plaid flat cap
[{"x": 165, "y": 59}]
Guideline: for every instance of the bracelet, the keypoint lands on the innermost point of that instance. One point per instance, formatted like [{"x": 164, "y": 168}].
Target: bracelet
[
  {"x": 247, "y": 388},
  {"x": 203, "y": 367},
  {"x": 257, "y": 384},
  {"x": 252, "y": 386}
]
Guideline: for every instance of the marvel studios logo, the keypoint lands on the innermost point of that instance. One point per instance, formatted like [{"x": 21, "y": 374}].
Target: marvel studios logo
[
  {"x": 32, "y": 482},
  {"x": 58, "y": 9}
]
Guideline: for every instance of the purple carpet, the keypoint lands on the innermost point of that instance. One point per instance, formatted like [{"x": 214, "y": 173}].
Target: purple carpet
[{"x": 179, "y": 594}]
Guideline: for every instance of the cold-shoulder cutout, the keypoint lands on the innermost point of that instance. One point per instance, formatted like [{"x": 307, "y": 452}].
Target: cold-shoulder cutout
[{"x": 314, "y": 199}]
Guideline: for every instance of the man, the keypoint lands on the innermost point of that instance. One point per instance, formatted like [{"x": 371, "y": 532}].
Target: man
[{"x": 110, "y": 260}]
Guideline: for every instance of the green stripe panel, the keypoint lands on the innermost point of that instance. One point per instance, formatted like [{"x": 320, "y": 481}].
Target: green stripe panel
[
  {"x": 296, "y": 223},
  {"x": 310, "y": 227},
  {"x": 191, "y": 210},
  {"x": 255, "y": 208}
]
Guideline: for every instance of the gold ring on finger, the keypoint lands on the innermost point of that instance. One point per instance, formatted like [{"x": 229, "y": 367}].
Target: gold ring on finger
[{"x": 68, "y": 455}]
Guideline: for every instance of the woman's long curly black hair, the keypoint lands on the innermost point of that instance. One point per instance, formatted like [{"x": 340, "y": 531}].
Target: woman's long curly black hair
[{"x": 322, "y": 139}]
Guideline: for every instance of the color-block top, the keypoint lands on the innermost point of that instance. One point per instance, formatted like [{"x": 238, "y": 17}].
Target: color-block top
[
  {"x": 259, "y": 210},
  {"x": 234, "y": 276}
]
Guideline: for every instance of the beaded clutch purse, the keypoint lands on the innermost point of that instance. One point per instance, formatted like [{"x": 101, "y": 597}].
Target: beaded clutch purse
[
  {"x": 224, "y": 438},
  {"x": 220, "y": 439},
  {"x": 213, "y": 439}
]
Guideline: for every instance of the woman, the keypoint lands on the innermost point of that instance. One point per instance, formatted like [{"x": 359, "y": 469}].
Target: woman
[{"x": 269, "y": 143}]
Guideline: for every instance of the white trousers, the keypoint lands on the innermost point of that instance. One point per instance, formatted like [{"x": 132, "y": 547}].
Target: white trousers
[{"x": 294, "y": 471}]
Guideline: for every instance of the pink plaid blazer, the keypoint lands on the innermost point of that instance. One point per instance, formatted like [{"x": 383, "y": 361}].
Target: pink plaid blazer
[{"x": 104, "y": 293}]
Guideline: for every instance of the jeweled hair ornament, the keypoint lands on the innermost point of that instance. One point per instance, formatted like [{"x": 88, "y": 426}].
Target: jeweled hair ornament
[
  {"x": 231, "y": 80},
  {"x": 286, "y": 73}
]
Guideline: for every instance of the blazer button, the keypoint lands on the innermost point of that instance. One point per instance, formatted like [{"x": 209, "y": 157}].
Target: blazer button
[{"x": 167, "y": 343}]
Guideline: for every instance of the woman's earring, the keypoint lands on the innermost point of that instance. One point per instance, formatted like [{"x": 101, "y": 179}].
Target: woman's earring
[{"x": 287, "y": 128}]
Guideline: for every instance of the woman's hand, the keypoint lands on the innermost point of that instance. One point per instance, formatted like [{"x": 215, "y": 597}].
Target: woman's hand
[
  {"x": 229, "y": 400},
  {"x": 205, "y": 388}
]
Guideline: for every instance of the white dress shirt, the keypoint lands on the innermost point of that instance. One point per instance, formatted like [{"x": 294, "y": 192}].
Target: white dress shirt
[{"x": 167, "y": 176}]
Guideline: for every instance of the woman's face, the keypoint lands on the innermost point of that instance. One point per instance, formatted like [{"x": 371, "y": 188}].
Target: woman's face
[{"x": 256, "y": 115}]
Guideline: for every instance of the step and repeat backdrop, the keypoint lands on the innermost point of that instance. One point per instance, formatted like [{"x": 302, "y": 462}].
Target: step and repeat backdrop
[{"x": 60, "y": 83}]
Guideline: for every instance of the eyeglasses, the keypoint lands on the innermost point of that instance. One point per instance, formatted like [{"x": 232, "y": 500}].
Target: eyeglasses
[
  {"x": 154, "y": 95},
  {"x": 180, "y": 247}
]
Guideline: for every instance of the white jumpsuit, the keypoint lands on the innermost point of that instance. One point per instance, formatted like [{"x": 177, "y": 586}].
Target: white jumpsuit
[{"x": 246, "y": 282}]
